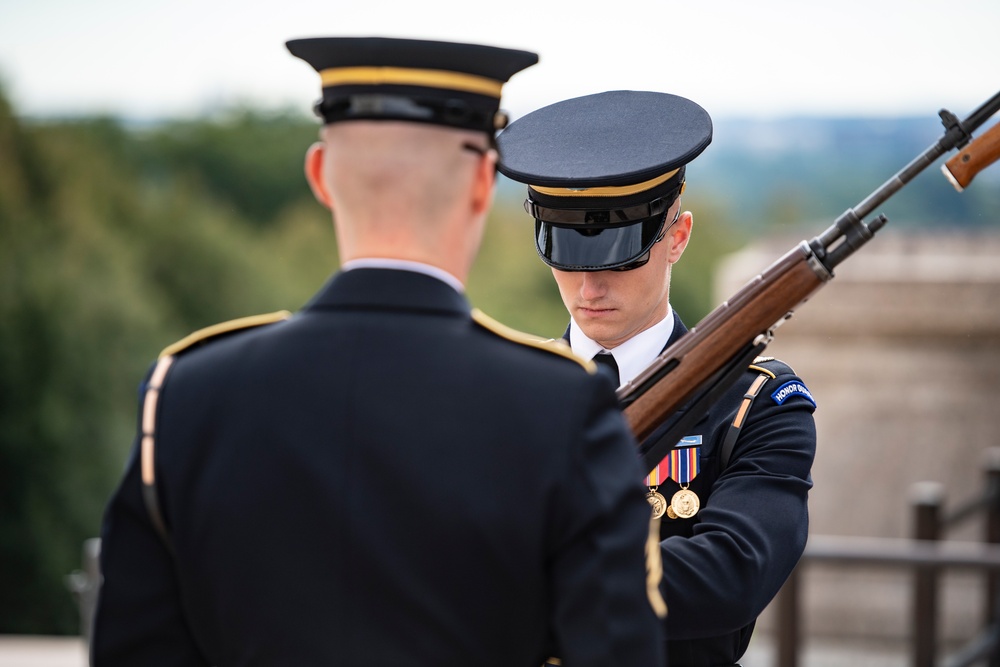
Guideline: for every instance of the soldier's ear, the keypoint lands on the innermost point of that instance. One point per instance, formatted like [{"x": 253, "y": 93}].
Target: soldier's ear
[
  {"x": 314, "y": 173},
  {"x": 485, "y": 180},
  {"x": 679, "y": 235}
]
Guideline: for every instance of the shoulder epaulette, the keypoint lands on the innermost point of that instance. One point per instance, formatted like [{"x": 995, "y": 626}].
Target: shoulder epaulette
[
  {"x": 755, "y": 366},
  {"x": 554, "y": 345},
  {"x": 773, "y": 367},
  {"x": 223, "y": 328},
  {"x": 150, "y": 495}
]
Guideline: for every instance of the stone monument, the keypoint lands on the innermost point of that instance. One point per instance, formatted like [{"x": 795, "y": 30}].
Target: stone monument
[{"x": 902, "y": 352}]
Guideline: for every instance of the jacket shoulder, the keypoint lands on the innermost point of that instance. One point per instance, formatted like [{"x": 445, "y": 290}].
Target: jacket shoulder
[
  {"x": 555, "y": 346},
  {"x": 790, "y": 385},
  {"x": 771, "y": 366},
  {"x": 216, "y": 331}
]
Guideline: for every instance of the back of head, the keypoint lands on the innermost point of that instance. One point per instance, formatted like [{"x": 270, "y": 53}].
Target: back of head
[
  {"x": 404, "y": 121},
  {"x": 394, "y": 173}
]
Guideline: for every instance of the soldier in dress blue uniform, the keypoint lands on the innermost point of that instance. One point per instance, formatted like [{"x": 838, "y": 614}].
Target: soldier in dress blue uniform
[
  {"x": 605, "y": 175},
  {"x": 387, "y": 477}
]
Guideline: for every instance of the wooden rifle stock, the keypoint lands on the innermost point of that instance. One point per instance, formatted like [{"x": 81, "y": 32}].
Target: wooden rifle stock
[
  {"x": 981, "y": 153},
  {"x": 711, "y": 356},
  {"x": 692, "y": 361}
]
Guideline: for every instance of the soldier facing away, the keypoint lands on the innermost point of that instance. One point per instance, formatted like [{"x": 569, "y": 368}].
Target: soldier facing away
[{"x": 387, "y": 477}]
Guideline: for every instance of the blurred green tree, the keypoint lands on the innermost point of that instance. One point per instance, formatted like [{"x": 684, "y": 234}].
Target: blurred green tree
[
  {"x": 105, "y": 259},
  {"x": 245, "y": 159},
  {"x": 64, "y": 354}
]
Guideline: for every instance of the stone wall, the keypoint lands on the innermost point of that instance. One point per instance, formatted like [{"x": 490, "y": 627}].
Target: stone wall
[{"x": 902, "y": 352}]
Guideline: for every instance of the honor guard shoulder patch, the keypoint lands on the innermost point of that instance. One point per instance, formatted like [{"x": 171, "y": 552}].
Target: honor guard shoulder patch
[
  {"x": 789, "y": 389},
  {"x": 216, "y": 330},
  {"x": 773, "y": 367},
  {"x": 555, "y": 346}
]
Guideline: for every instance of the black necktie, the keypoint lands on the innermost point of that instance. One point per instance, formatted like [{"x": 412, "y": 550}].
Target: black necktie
[{"x": 607, "y": 365}]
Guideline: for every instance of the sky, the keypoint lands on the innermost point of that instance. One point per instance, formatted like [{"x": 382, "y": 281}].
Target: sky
[{"x": 746, "y": 58}]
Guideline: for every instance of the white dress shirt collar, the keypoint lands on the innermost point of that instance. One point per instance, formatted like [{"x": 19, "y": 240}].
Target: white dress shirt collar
[
  {"x": 634, "y": 355},
  {"x": 405, "y": 265}
]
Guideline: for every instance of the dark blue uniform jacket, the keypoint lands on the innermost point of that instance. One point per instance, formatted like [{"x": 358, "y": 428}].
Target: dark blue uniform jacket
[
  {"x": 380, "y": 480},
  {"x": 724, "y": 565}
]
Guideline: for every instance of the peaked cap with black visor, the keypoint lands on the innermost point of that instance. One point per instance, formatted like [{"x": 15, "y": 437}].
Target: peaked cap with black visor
[
  {"x": 602, "y": 172},
  {"x": 382, "y": 78}
]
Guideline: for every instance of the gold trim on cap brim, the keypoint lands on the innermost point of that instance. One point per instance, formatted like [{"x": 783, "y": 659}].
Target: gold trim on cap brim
[
  {"x": 403, "y": 76},
  {"x": 606, "y": 191}
]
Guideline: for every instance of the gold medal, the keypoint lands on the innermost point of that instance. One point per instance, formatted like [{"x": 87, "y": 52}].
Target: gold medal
[
  {"x": 657, "y": 502},
  {"x": 685, "y": 503},
  {"x": 681, "y": 464}
]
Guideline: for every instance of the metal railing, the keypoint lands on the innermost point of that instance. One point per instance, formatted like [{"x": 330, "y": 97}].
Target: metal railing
[
  {"x": 927, "y": 554},
  {"x": 85, "y": 583}
]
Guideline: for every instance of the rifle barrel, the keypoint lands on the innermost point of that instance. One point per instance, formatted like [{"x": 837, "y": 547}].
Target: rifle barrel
[
  {"x": 982, "y": 114},
  {"x": 686, "y": 367},
  {"x": 850, "y": 231}
]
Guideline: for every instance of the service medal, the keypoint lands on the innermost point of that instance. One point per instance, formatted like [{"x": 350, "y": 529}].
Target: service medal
[
  {"x": 681, "y": 464},
  {"x": 685, "y": 503},
  {"x": 658, "y": 503}
]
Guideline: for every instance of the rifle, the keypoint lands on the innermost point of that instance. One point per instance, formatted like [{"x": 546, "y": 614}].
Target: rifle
[{"x": 694, "y": 371}]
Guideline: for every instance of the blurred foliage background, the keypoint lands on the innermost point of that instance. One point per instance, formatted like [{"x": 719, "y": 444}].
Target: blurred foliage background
[{"x": 117, "y": 239}]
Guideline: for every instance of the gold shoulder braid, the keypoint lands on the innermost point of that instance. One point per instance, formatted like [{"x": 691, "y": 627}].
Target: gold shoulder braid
[
  {"x": 554, "y": 345},
  {"x": 147, "y": 447},
  {"x": 762, "y": 360},
  {"x": 654, "y": 569},
  {"x": 210, "y": 332}
]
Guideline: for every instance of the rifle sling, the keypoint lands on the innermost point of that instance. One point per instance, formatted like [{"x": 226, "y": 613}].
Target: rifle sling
[{"x": 734, "y": 429}]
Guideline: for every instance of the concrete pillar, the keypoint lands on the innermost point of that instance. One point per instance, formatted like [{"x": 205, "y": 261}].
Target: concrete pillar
[{"x": 902, "y": 352}]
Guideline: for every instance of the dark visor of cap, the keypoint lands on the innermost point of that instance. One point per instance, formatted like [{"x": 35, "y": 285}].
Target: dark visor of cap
[
  {"x": 591, "y": 216},
  {"x": 591, "y": 248},
  {"x": 451, "y": 112}
]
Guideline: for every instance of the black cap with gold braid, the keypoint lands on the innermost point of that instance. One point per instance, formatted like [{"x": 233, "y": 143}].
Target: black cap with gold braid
[
  {"x": 382, "y": 78},
  {"x": 602, "y": 171}
]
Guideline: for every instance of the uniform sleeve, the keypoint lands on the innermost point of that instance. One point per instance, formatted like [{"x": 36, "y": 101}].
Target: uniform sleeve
[
  {"x": 753, "y": 529},
  {"x": 139, "y": 620},
  {"x": 602, "y": 612}
]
